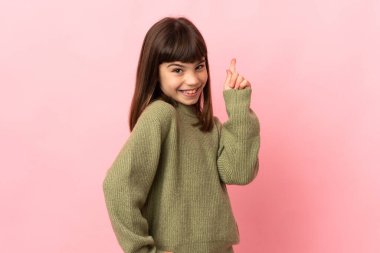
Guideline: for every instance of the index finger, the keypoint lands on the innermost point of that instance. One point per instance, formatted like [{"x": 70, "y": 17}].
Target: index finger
[{"x": 233, "y": 65}]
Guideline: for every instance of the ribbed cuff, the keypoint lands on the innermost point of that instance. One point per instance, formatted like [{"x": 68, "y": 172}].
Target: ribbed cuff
[
  {"x": 242, "y": 120},
  {"x": 237, "y": 101}
]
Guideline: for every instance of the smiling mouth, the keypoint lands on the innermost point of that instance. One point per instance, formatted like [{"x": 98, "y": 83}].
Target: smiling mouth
[{"x": 191, "y": 92}]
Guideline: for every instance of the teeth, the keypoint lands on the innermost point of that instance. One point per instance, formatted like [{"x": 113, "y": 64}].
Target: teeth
[
  {"x": 190, "y": 91},
  {"x": 193, "y": 91}
]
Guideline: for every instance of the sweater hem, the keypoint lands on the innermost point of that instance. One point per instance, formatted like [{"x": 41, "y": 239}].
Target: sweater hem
[
  {"x": 215, "y": 246},
  {"x": 198, "y": 242}
]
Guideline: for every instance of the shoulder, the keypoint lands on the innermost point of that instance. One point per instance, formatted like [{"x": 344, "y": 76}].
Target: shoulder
[
  {"x": 160, "y": 110},
  {"x": 158, "y": 114},
  {"x": 161, "y": 105}
]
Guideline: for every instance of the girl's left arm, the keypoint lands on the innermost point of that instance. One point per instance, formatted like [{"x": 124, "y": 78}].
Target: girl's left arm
[{"x": 239, "y": 139}]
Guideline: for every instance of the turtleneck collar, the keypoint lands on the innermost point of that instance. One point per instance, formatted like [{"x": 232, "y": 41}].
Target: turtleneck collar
[{"x": 189, "y": 110}]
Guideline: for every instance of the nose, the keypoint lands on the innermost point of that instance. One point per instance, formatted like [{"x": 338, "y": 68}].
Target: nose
[{"x": 192, "y": 79}]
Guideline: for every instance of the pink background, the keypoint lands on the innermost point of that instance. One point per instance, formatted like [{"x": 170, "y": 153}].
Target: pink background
[{"x": 67, "y": 74}]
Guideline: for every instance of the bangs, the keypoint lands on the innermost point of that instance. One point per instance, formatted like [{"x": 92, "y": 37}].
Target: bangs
[{"x": 183, "y": 45}]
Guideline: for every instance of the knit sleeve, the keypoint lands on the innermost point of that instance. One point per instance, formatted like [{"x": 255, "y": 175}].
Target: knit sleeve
[
  {"x": 128, "y": 180},
  {"x": 239, "y": 139}
]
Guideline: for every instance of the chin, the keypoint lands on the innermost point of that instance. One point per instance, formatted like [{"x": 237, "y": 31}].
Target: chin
[{"x": 188, "y": 102}]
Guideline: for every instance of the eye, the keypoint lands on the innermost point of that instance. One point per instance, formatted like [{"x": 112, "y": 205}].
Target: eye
[
  {"x": 177, "y": 71},
  {"x": 200, "y": 67}
]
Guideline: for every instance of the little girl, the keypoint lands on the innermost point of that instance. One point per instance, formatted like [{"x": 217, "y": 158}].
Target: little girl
[{"x": 166, "y": 190}]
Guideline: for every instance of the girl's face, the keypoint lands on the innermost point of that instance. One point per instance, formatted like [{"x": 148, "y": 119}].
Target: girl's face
[{"x": 184, "y": 82}]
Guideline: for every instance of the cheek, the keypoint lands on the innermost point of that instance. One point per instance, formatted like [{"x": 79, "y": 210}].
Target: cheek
[
  {"x": 168, "y": 83},
  {"x": 204, "y": 77}
]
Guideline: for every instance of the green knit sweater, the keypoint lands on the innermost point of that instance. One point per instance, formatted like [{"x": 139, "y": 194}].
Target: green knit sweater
[{"x": 166, "y": 189}]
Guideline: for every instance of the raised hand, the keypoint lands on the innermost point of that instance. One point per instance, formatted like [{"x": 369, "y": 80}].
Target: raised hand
[{"x": 234, "y": 80}]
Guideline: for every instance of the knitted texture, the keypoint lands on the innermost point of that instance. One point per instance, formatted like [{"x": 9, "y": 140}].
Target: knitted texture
[{"x": 166, "y": 189}]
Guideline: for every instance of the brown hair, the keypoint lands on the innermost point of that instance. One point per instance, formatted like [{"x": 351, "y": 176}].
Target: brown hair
[{"x": 170, "y": 39}]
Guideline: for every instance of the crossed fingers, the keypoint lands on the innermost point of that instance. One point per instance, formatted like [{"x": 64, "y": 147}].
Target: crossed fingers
[{"x": 234, "y": 80}]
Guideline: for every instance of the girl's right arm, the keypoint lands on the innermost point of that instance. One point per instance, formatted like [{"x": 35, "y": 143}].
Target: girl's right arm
[{"x": 128, "y": 180}]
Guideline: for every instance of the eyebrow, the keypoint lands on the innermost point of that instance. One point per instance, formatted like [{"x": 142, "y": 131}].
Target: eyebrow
[{"x": 183, "y": 66}]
